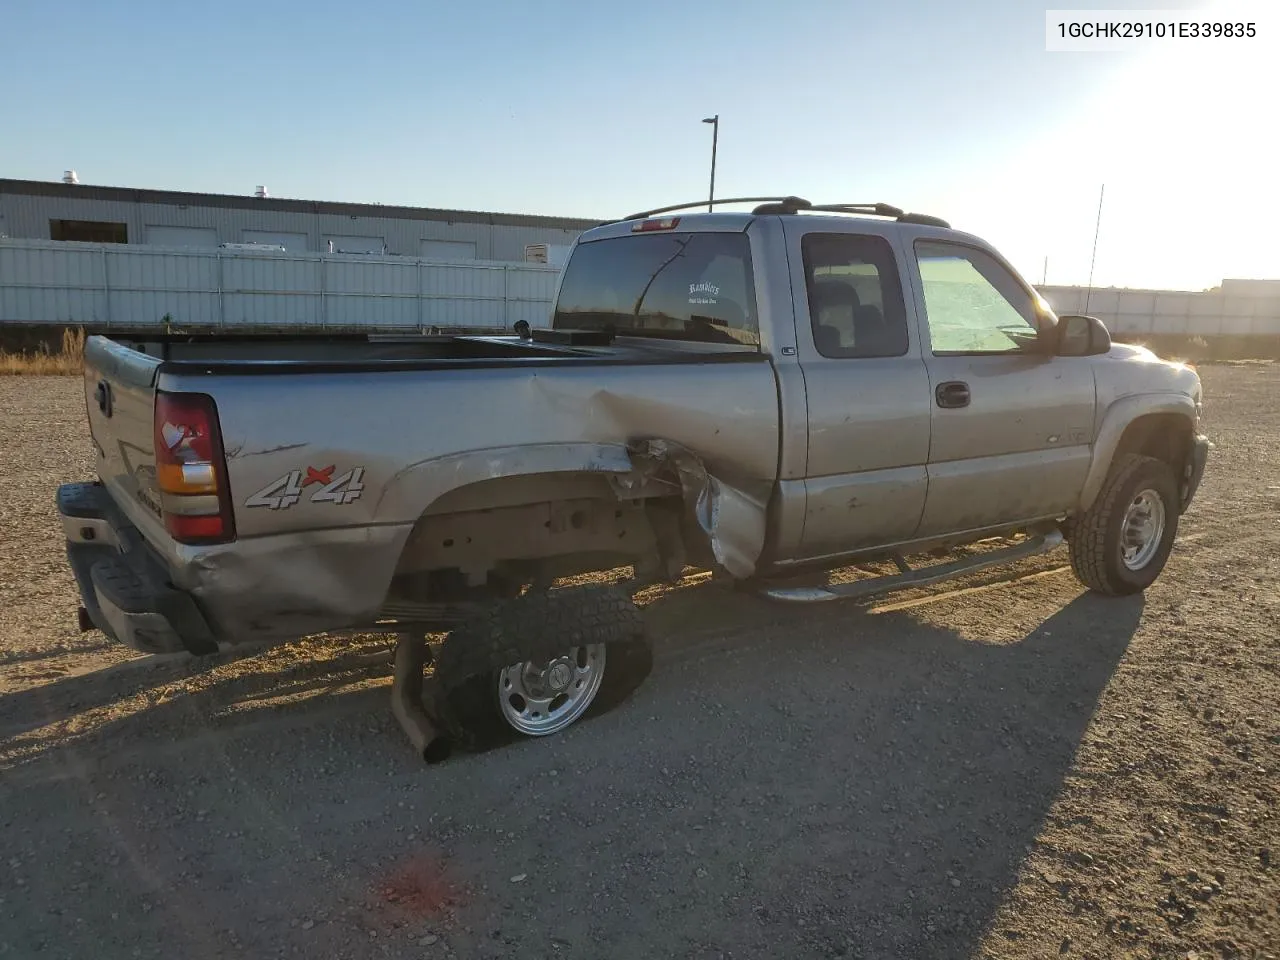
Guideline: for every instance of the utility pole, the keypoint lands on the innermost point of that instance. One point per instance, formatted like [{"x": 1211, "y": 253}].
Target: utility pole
[{"x": 715, "y": 138}]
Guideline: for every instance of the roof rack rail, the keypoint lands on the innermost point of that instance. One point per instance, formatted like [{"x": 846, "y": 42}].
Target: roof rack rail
[
  {"x": 784, "y": 205},
  {"x": 793, "y": 205},
  {"x": 875, "y": 209},
  {"x": 924, "y": 220},
  {"x": 882, "y": 210},
  {"x": 698, "y": 203}
]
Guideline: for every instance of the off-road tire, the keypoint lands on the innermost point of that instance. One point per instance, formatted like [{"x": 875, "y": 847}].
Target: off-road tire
[
  {"x": 1094, "y": 536},
  {"x": 538, "y": 626}
]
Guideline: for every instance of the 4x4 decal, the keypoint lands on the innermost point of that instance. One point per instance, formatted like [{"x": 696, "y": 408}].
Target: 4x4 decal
[{"x": 284, "y": 492}]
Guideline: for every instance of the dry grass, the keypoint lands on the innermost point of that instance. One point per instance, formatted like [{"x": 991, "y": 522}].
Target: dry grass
[{"x": 69, "y": 361}]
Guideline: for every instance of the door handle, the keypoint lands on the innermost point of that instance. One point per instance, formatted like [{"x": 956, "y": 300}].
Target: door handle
[{"x": 952, "y": 394}]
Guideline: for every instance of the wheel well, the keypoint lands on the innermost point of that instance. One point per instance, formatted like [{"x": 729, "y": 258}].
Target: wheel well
[
  {"x": 1165, "y": 436},
  {"x": 495, "y": 534}
]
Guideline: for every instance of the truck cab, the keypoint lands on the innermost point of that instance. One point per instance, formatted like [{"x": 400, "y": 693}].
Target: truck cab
[{"x": 925, "y": 389}]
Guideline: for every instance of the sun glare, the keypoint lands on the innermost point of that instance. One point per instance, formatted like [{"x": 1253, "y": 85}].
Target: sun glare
[{"x": 1182, "y": 139}]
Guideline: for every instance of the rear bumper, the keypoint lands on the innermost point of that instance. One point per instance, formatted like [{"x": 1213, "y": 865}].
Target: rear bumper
[
  {"x": 124, "y": 588},
  {"x": 1194, "y": 470},
  {"x": 161, "y": 596}
]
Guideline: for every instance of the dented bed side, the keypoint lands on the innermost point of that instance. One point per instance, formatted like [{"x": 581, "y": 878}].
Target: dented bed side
[
  {"x": 330, "y": 476},
  {"x": 404, "y": 440},
  {"x": 344, "y": 478}
]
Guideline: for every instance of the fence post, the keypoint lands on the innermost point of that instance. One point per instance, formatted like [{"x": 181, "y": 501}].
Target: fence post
[
  {"x": 222, "y": 310},
  {"x": 106, "y": 288},
  {"x": 506, "y": 297}
]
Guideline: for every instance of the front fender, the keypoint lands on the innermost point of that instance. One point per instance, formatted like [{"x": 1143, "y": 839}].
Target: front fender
[{"x": 1117, "y": 418}]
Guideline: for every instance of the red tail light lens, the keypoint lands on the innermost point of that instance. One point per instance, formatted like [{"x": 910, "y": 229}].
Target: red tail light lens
[
  {"x": 191, "y": 470},
  {"x": 187, "y": 529}
]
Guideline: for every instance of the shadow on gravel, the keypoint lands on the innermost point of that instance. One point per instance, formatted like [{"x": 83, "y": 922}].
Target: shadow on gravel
[
  {"x": 35, "y": 656},
  {"x": 814, "y": 782},
  {"x": 912, "y": 775},
  {"x": 140, "y": 696},
  {"x": 829, "y": 783}
]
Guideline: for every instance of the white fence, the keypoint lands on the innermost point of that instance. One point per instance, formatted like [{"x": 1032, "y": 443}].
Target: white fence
[
  {"x": 121, "y": 286},
  {"x": 1164, "y": 313},
  {"x": 105, "y": 285}
]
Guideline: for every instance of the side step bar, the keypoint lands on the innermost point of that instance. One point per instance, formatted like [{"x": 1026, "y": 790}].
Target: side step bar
[
  {"x": 432, "y": 617},
  {"x": 1042, "y": 543}
]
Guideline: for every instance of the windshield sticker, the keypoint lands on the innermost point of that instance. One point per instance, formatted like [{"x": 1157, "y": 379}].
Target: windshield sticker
[
  {"x": 285, "y": 491},
  {"x": 703, "y": 292}
]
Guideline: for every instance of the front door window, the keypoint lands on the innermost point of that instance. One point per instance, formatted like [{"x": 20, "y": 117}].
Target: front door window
[{"x": 974, "y": 305}]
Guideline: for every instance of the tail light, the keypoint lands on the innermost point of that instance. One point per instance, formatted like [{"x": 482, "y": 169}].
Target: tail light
[{"x": 191, "y": 470}]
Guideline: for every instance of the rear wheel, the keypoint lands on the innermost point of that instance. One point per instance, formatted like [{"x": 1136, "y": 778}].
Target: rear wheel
[
  {"x": 535, "y": 664},
  {"x": 1121, "y": 543},
  {"x": 542, "y": 697}
]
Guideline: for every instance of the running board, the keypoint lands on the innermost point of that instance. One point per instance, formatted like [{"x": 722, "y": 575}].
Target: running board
[
  {"x": 438, "y": 616},
  {"x": 1042, "y": 543}
]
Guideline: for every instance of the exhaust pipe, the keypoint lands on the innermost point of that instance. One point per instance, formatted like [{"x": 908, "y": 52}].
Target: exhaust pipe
[{"x": 406, "y": 700}]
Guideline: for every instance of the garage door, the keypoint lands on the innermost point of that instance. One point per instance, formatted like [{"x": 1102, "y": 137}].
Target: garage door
[
  {"x": 181, "y": 236},
  {"x": 355, "y": 244},
  {"x": 447, "y": 250},
  {"x": 293, "y": 242}
]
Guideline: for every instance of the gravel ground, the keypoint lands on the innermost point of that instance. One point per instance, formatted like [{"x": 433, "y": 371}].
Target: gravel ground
[{"x": 1001, "y": 767}]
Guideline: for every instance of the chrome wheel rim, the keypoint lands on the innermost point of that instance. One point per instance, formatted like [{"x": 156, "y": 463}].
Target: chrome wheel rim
[
  {"x": 540, "y": 698},
  {"x": 1143, "y": 529}
]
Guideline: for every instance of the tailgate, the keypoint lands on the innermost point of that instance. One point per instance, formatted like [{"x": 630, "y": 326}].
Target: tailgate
[{"x": 120, "y": 387}]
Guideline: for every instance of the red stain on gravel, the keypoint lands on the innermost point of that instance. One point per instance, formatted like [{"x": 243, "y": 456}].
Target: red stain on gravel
[{"x": 418, "y": 887}]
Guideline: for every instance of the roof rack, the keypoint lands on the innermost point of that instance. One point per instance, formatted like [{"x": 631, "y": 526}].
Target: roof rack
[
  {"x": 699, "y": 203},
  {"x": 793, "y": 205},
  {"x": 785, "y": 207},
  {"x": 924, "y": 220}
]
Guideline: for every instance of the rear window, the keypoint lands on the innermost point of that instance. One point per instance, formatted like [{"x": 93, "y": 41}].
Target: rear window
[{"x": 681, "y": 286}]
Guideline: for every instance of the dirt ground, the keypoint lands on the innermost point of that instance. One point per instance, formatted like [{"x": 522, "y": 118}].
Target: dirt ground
[{"x": 1000, "y": 767}]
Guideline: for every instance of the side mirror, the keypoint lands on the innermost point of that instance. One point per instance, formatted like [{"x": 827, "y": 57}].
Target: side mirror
[{"x": 1079, "y": 336}]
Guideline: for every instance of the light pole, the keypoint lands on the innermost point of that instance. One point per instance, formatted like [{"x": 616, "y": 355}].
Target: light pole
[{"x": 715, "y": 138}]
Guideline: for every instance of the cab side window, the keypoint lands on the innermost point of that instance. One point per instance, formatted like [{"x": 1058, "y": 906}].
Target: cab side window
[
  {"x": 856, "y": 306},
  {"x": 974, "y": 305}
]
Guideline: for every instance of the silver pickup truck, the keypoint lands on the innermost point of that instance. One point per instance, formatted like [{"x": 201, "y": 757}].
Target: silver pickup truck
[{"x": 763, "y": 393}]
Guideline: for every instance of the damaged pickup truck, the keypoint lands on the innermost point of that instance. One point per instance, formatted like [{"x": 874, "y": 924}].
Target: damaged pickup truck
[{"x": 787, "y": 389}]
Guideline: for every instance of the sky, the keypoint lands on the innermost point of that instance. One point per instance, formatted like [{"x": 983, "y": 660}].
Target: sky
[{"x": 594, "y": 109}]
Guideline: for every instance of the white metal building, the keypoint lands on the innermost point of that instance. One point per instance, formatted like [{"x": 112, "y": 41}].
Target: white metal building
[
  {"x": 1237, "y": 308},
  {"x": 40, "y": 210},
  {"x": 114, "y": 286},
  {"x": 109, "y": 257}
]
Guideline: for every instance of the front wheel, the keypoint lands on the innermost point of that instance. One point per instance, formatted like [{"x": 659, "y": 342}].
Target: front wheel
[{"x": 1121, "y": 543}]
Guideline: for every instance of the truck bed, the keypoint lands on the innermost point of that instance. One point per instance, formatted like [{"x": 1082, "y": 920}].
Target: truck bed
[
  {"x": 365, "y": 352},
  {"x": 278, "y": 481}
]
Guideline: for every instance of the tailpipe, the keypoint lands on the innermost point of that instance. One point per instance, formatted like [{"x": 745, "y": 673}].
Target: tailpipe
[{"x": 406, "y": 700}]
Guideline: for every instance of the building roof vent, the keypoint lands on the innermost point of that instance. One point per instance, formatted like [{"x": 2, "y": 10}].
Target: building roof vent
[{"x": 69, "y": 176}]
